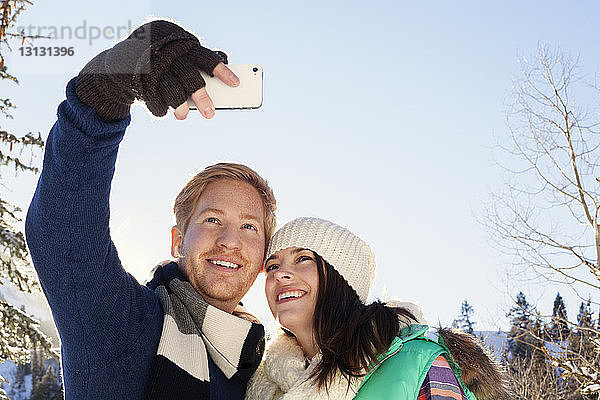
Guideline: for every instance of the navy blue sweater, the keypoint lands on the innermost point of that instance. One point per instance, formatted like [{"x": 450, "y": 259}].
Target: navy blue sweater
[{"x": 108, "y": 323}]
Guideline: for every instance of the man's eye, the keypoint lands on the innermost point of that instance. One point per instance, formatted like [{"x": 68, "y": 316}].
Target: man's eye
[
  {"x": 249, "y": 226},
  {"x": 305, "y": 258},
  {"x": 212, "y": 220}
]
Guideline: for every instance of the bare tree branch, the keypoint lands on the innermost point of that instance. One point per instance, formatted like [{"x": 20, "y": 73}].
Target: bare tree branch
[{"x": 546, "y": 217}]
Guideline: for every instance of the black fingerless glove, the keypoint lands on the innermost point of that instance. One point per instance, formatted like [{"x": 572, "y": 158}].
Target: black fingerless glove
[{"x": 158, "y": 64}]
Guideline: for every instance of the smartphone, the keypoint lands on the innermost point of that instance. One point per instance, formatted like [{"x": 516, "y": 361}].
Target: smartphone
[{"x": 248, "y": 95}]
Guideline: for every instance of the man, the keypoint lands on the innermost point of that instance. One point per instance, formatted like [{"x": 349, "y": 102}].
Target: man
[{"x": 178, "y": 337}]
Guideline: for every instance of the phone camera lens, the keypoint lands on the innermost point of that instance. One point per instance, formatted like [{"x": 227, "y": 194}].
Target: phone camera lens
[{"x": 255, "y": 69}]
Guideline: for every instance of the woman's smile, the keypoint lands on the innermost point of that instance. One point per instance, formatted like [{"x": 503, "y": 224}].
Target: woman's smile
[{"x": 291, "y": 287}]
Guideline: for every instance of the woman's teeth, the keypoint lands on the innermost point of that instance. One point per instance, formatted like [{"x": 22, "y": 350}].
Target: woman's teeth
[{"x": 287, "y": 295}]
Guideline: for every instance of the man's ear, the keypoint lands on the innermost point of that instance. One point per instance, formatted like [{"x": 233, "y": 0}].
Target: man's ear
[{"x": 176, "y": 239}]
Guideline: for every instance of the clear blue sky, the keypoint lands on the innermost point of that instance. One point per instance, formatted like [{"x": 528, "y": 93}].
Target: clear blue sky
[{"x": 377, "y": 115}]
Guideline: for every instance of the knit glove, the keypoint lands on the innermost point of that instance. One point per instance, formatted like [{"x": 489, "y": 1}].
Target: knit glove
[{"x": 158, "y": 64}]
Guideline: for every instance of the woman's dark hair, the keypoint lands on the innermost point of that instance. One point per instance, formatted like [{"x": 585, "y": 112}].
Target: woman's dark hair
[{"x": 348, "y": 333}]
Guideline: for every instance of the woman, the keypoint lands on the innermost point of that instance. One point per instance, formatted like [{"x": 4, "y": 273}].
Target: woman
[{"x": 337, "y": 347}]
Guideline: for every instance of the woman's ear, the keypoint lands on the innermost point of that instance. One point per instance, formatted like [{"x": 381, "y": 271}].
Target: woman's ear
[{"x": 176, "y": 239}]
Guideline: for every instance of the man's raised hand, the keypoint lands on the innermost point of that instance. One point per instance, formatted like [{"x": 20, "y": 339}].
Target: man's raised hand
[{"x": 159, "y": 64}]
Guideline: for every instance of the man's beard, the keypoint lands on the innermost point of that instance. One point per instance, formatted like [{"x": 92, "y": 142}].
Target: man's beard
[{"x": 213, "y": 285}]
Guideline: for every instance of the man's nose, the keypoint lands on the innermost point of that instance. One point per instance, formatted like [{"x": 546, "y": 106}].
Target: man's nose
[{"x": 229, "y": 238}]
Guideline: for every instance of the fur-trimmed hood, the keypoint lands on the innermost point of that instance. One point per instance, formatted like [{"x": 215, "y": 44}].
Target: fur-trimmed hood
[{"x": 481, "y": 373}]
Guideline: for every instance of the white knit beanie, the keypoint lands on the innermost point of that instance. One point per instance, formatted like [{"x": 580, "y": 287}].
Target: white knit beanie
[{"x": 345, "y": 251}]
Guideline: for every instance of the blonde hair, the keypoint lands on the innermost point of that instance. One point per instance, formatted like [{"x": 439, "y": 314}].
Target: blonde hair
[{"x": 186, "y": 200}]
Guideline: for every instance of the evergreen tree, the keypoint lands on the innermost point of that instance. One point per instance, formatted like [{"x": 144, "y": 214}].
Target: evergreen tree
[
  {"x": 38, "y": 365},
  {"x": 584, "y": 317},
  {"x": 559, "y": 328},
  {"x": 536, "y": 343},
  {"x": 531, "y": 376},
  {"x": 581, "y": 347},
  {"x": 525, "y": 342},
  {"x": 463, "y": 322},
  {"x": 47, "y": 388},
  {"x": 581, "y": 339},
  {"x": 521, "y": 322},
  {"x": 20, "y": 332},
  {"x": 17, "y": 387}
]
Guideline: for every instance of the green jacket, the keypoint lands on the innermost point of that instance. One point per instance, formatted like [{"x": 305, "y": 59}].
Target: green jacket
[{"x": 403, "y": 367}]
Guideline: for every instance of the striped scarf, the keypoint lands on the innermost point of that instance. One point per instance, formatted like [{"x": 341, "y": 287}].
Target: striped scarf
[{"x": 192, "y": 332}]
